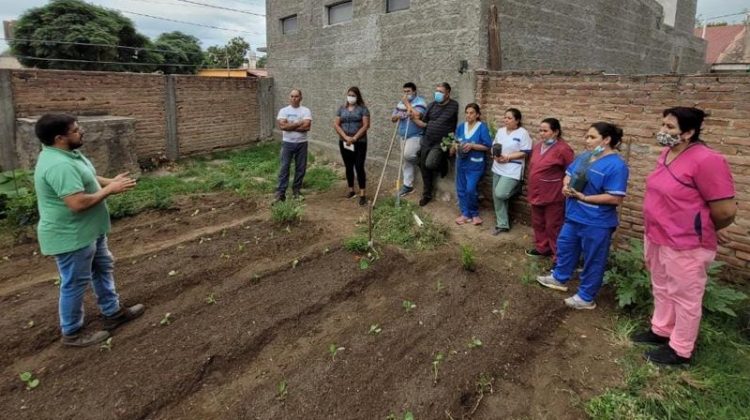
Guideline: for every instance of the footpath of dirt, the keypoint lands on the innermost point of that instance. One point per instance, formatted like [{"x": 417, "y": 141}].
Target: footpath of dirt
[{"x": 282, "y": 297}]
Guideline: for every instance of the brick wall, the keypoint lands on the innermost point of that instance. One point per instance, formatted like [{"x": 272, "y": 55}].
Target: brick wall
[
  {"x": 139, "y": 96},
  {"x": 635, "y": 103},
  {"x": 216, "y": 113},
  {"x": 212, "y": 113}
]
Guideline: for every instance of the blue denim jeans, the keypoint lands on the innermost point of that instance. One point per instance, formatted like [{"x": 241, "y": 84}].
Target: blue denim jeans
[
  {"x": 92, "y": 264},
  {"x": 298, "y": 152}
]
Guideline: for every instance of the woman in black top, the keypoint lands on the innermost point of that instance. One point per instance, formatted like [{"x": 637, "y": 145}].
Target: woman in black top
[{"x": 351, "y": 124}]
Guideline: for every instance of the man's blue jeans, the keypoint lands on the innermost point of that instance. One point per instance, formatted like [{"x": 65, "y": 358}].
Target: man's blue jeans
[
  {"x": 298, "y": 152},
  {"x": 92, "y": 264}
]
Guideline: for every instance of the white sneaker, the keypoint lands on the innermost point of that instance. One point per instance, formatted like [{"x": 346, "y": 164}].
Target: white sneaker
[
  {"x": 549, "y": 281},
  {"x": 576, "y": 302}
]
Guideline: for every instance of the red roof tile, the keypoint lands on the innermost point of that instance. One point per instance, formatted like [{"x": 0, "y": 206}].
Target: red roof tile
[{"x": 718, "y": 39}]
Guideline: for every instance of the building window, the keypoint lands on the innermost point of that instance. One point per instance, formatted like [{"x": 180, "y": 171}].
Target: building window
[
  {"x": 289, "y": 25},
  {"x": 340, "y": 12},
  {"x": 396, "y": 5}
]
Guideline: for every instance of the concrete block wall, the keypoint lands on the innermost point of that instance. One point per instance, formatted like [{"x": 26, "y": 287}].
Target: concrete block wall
[
  {"x": 376, "y": 51},
  {"x": 208, "y": 113},
  {"x": 624, "y": 37},
  {"x": 635, "y": 103}
]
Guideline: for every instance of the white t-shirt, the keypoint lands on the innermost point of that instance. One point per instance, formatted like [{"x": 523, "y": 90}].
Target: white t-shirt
[
  {"x": 517, "y": 140},
  {"x": 292, "y": 114}
]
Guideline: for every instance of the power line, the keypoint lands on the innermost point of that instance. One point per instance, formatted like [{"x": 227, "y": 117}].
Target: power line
[
  {"x": 187, "y": 23},
  {"x": 89, "y": 44},
  {"x": 222, "y": 8},
  {"x": 70, "y": 60},
  {"x": 729, "y": 15}
]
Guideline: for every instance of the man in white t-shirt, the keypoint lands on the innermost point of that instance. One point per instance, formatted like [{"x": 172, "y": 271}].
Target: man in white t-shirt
[{"x": 294, "y": 121}]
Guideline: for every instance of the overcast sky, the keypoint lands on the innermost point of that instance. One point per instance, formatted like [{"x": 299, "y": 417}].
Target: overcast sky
[{"x": 175, "y": 9}]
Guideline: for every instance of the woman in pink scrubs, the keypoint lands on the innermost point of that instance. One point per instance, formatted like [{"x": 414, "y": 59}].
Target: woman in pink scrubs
[{"x": 689, "y": 199}]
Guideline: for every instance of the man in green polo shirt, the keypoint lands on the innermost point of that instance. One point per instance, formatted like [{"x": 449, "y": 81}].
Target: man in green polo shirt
[{"x": 73, "y": 227}]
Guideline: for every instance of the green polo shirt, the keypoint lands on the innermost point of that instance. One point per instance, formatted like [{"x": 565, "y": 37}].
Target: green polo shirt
[{"x": 58, "y": 174}]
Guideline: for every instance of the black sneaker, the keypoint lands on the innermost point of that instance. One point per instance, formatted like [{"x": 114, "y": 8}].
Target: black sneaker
[
  {"x": 122, "y": 316},
  {"x": 499, "y": 230},
  {"x": 362, "y": 200},
  {"x": 648, "y": 337},
  {"x": 534, "y": 253},
  {"x": 665, "y": 355},
  {"x": 351, "y": 194},
  {"x": 80, "y": 340},
  {"x": 424, "y": 200},
  {"x": 279, "y": 198}
]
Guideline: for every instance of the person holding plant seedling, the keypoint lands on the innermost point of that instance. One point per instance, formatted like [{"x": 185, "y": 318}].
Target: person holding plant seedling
[
  {"x": 73, "y": 227},
  {"x": 688, "y": 205},
  {"x": 439, "y": 120},
  {"x": 594, "y": 185},
  {"x": 473, "y": 142}
]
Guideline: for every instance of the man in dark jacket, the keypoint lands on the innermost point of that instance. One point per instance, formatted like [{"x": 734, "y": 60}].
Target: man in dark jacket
[{"x": 439, "y": 120}]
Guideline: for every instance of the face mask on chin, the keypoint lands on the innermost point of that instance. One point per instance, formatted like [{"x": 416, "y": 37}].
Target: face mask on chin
[
  {"x": 665, "y": 139},
  {"x": 598, "y": 150},
  {"x": 549, "y": 142}
]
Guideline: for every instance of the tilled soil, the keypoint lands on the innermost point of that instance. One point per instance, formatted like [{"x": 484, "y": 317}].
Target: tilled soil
[{"x": 255, "y": 305}]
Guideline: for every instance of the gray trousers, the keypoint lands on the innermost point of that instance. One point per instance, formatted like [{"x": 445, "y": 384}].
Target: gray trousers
[{"x": 298, "y": 152}]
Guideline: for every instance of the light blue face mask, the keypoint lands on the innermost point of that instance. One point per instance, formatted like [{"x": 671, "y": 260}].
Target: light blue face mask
[
  {"x": 598, "y": 150},
  {"x": 411, "y": 97},
  {"x": 439, "y": 96},
  {"x": 549, "y": 142}
]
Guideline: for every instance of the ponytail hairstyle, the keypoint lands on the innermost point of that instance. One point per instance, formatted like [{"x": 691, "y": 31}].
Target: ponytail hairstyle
[
  {"x": 516, "y": 115},
  {"x": 554, "y": 125},
  {"x": 688, "y": 118},
  {"x": 609, "y": 130}
]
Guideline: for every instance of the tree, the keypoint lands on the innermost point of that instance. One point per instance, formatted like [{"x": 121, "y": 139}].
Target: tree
[
  {"x": 261, "y": 64},
  {"x": 183, "y": 49},
  {"x": 235, "y": 51},
  {"x": 79, "y": 22}
]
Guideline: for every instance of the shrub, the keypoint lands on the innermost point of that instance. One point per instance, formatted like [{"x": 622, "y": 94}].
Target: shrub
[
  {"x": 631, "y": 280},
  {"x": 289, "y": 211},
  {"x": 357, "y": 244},
  {"x": 468, "y": 262}
]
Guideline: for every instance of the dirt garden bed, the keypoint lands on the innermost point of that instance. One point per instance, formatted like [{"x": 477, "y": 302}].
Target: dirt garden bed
[{"x": 270, "y": 321}]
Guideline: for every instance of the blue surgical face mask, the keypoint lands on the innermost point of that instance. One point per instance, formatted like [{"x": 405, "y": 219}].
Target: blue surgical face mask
[
  {"x": 550, "y": 142},
  {"x": 439, "y": 96},
  {"x": 411, "y": 97},
  {"x": 598, "y": 150}
]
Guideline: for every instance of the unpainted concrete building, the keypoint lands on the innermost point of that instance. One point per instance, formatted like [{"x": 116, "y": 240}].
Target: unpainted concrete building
[{"x": 325, "y": 46}]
